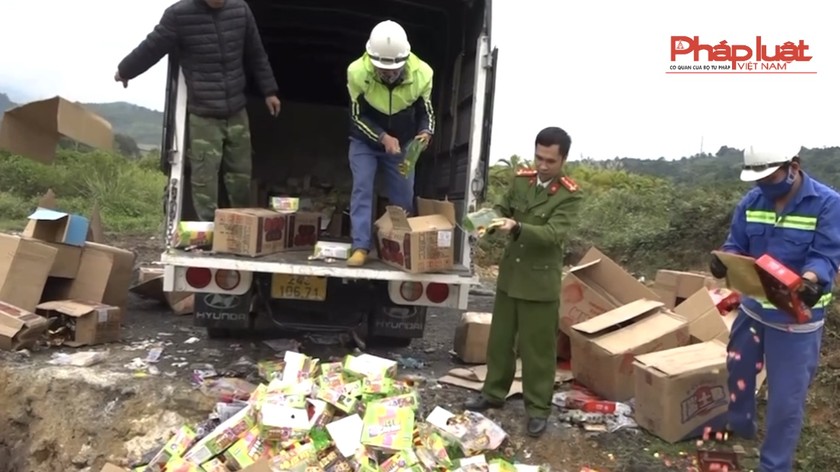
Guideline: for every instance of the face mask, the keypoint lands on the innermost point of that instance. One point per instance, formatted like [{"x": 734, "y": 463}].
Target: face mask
[
  {"x": 779, "y": 189},
  {"x": 389, "y": 77}
]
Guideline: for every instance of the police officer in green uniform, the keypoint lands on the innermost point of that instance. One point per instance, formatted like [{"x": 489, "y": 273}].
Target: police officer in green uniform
[{"x": 538, "y": 210}]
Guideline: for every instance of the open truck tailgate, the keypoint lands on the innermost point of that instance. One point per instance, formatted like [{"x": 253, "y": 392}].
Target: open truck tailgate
[{"x": 298, "y": 263}]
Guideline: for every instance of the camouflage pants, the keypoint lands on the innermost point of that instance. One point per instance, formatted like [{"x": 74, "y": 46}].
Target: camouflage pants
[{"x": 220, "y": 145}]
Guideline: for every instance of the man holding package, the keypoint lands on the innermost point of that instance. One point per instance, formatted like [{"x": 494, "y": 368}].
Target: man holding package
[
  {"x": 390, "y": 106},
  {"x": 795, "y": 220},
  {"x": 216, "y": 41},
  {"x": 538, "y": 212}
]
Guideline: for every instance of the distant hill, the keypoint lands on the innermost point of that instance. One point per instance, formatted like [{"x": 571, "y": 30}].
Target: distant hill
[
  {"x": 5, "y": 102},
  {"x": 141, "y": 124},
  {"x": 723, "y": 167}
]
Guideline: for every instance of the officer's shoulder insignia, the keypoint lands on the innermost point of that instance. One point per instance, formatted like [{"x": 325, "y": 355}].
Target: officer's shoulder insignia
[
  {"x": 526, "y": 173},
  {"x": 569, "y": 183}
]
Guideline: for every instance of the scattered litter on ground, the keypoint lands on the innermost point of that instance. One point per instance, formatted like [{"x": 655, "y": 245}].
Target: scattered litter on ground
[
  {"x": 583, "y": 408},
  {"x": 78, "y": 359}
]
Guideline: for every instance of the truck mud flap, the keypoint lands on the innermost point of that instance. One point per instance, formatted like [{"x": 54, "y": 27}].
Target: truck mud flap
[
  {"x": 398, "y": 321},
  {"x": 223, "y": 311}
]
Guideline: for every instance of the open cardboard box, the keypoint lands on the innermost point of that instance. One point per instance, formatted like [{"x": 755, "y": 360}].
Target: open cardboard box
[
  {"x": 595, "y": 286},
  {"x": 604, "y": 347},
  {"x": 674, "y": 287},
  {"x": 423, "y": 243}
]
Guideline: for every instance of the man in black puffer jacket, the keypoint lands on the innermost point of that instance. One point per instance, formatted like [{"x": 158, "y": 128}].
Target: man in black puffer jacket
[{"x": 215, "y": 41}]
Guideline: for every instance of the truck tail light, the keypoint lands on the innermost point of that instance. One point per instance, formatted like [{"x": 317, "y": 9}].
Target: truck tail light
[
  {"x": 198, "y": 277},
  {"x": 437, "y": 293},
  {"x": 411, "y": 291},
  {"x": 227, "y": 279}
]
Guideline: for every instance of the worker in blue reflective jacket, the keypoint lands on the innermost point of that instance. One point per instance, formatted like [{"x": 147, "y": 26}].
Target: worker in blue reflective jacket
[{"x": 796, "y": 220}]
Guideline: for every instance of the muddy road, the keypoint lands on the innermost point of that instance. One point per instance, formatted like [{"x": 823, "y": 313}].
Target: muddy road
[{"x": 60, "y": 418}]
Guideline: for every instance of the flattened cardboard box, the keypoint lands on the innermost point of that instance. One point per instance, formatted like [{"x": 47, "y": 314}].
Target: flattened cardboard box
[
  {"x": 104, "y": 276},
  {"x": 19, "y": 329},
  {"x": 33, "y": 130},
  {"x": 603, "y": 348},
  {"x": 595, "y": 286},
  {"x": 96, "y": 323},
  {"x": 67, "y": 260},
  {"x": 420, "y": 244},
  {"x": 249, "y": 231},
  {"x": 25, "y": 265},
  {"x": 681, "y": 391}
]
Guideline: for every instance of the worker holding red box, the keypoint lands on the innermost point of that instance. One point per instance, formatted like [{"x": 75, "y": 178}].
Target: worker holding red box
[{"x": 795, "y": 220}]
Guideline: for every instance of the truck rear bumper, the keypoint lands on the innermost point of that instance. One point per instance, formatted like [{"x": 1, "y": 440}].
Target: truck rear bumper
[{"x": 298, "y": 263}]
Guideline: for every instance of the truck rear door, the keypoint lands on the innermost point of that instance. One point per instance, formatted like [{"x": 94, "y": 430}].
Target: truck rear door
[{"x": 462, "y": 162}]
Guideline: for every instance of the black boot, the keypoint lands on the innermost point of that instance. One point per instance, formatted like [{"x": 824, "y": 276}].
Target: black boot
[
  {"x": 536, "y": 426},
  {"x": 482, "y": 403}
]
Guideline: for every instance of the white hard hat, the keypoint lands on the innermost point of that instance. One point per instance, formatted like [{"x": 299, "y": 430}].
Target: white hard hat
[
  {"x": 388, "y": 45},
  {"x": 759, "y": 163}
]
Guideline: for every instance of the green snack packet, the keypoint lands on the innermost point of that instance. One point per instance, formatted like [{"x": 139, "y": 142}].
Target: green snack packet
[
  {"x": 479, "y": 221},
  {"x": 320, "y": 438},
  {"x": 412, "y": 153}
]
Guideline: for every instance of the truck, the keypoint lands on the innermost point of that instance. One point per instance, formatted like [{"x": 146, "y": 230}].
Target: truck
[{"x": 310, "y": 43}]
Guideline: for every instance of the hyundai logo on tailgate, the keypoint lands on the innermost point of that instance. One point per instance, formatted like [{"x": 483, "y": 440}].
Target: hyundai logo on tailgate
[{"x": 221, "y": 302}]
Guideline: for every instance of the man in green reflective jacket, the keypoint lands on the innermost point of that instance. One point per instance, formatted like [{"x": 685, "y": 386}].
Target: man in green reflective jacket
[
  {"x": 390, "y": 105},
  {"x": 538, "y": 212}
]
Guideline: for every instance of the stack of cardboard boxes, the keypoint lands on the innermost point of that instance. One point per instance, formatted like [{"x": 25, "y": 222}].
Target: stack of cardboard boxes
[
  {"x": 52, "y": 278},
  {"x": 420, "y": 244},
  {"x": 665, "y": 346}
]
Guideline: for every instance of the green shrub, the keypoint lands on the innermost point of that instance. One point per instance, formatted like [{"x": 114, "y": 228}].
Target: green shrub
[{"x": 128, "y": 192}]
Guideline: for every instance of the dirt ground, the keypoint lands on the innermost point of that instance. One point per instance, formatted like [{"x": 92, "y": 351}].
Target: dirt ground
[{"x": 57, "y": 418}]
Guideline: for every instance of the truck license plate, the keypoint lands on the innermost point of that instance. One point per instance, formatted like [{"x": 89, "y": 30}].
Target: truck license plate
[{"x": 298, "y": 287}]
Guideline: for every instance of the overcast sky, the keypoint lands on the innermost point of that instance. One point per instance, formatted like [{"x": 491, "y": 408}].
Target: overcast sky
[{"x": 596, "y": 68}]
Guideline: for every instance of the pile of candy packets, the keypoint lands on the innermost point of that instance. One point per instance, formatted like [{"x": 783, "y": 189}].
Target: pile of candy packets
[{"x": 356, "y": 415}]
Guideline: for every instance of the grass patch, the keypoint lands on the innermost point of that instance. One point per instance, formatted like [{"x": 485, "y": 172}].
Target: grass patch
[{"x": 128, "y": 192}]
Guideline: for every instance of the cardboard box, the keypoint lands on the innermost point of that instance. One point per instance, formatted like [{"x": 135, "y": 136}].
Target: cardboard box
[
  {"x": 472, "y": 336},
  {"x": 603, "y": 348},
  {"x": 705, "y": 322},
  {"x": 104, "y": 276},
  {"x": 34, "y": 129},
  {"x": 95, "y": 323},
  {"x": 595, "y": 286},
  {"x": 57, "y": 227},
  {"x": 681, "y": 391},
  {"x": 741, "y": 275},
  {"x": 150, "y": 285},
  {"x": 19, "y": 329},
  {"x": 424, "y": 243},
  {"x": 67, "y": 260},
  {"x": 304, "y": 228},
  {"x": 25, "y": 265},
  {"x": 249, "y": 231},
  {"x": 673, "y": 286}
]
